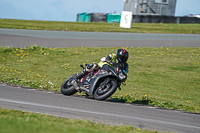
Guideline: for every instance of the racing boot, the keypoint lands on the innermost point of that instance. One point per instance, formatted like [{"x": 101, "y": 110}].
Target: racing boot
[{"x": 80, "y": 75}]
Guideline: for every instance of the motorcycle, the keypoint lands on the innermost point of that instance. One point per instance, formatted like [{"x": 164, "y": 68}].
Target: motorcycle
[{"x": 100, "y": 84}]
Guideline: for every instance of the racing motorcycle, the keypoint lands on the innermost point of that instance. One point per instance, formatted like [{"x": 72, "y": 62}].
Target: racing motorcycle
[{"x": 100, "y": 84}]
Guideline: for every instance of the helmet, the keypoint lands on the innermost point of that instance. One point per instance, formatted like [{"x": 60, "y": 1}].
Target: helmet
[{"x": 122, "y": 55}]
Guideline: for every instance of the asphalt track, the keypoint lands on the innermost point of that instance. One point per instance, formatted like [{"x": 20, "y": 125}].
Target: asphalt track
[
  {"x": 24, "y": 38},
  {"x": 107, "y": 112}
]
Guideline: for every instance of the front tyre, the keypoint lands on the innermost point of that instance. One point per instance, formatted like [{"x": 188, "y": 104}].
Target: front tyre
[
  {"x": 67, "y": 88},
  {"x": 102, "y": 92}
]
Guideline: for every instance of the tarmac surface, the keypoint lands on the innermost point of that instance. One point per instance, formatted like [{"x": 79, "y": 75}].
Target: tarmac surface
[
  {"x": 25, "y": 38},
  {"x": 106, "y": 112}
]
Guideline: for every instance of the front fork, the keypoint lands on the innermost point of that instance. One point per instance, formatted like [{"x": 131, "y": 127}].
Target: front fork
[{"x": 108, "y": 80}]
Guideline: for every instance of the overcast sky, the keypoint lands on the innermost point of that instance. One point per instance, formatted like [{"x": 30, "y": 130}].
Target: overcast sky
[{"x": 66, "y": 10}]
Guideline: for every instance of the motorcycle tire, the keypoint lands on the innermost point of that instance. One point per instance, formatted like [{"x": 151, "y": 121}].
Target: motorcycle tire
[
  {"x": 67, "y": 89},
  {"x": 99, "y": 95}
]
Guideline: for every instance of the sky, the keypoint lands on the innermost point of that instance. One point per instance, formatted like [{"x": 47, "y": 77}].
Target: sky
[{"x": 67, "y": 10}]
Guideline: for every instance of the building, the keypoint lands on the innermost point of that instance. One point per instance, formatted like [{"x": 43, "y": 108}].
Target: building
[{"x": 151, "y": 7}]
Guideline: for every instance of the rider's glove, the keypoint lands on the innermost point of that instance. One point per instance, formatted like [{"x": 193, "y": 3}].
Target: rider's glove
[{"x": 103, "y": 59}]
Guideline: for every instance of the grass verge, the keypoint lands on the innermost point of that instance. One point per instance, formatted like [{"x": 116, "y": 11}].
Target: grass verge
[
  {"x": 23, "y": 122},
  {"x": 100, "y": 27},
  {"x": 163, "y": 77}
]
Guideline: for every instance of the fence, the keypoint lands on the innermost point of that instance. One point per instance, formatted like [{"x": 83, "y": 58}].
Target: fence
[{"x": 115, "y": 18}]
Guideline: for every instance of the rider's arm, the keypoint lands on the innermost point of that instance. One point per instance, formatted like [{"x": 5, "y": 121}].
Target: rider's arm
[
  {"x": 125, "y": 69},
  {"x": 107, "y": 59}
]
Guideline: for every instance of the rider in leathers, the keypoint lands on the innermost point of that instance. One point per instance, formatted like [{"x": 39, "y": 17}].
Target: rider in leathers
[{"x": 120, "y": 57}]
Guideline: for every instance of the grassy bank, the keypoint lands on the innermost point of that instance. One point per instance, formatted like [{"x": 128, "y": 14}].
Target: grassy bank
[
  {"x": 12, "y": 121},
  {"x": 100, "y": 27},
  {"x": 163, "y": 77}
]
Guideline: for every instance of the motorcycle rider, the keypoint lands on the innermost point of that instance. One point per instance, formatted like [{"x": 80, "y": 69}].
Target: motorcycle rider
[{"x": 120, "y": 57}]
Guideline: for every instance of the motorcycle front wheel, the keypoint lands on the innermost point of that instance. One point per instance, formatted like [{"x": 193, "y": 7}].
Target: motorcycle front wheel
[
  {"x": 67, "y": 88},
  {"x": 101, "y": 93}
]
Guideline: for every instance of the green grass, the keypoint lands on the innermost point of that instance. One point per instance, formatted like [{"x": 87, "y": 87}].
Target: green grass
[
  {"x": 12, "y": 121},
  {"x": 100, "y": 27},
  {"x": 162, "y": 77}
]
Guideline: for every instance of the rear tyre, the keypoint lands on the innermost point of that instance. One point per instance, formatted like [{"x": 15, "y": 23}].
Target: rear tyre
[
  {"x": 103, "y": 93},
  {"x": 67, "y": 88}
]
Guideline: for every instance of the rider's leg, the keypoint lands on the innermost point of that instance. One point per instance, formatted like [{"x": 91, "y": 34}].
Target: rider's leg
[{"x": 89, "y": 68}]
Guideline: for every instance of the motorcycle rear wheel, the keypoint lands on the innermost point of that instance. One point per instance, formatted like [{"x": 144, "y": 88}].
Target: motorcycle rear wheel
[
  {"x": 103, "y": 93},
  {"x": 67, "y": 88}
]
